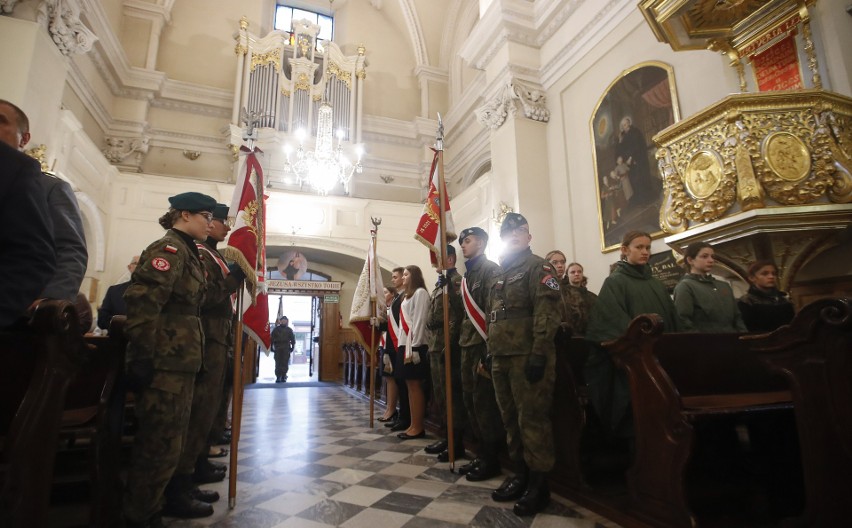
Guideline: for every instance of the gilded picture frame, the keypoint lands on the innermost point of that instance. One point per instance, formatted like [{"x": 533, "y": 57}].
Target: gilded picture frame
[{"x": 639, "y": 103}]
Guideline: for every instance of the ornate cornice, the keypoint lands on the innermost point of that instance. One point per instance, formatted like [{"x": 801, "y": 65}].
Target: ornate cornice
[
  {"x": 62, "y": 20},
  {"x": 7, "y": 6},
  {"x": 514, "y": 96}
]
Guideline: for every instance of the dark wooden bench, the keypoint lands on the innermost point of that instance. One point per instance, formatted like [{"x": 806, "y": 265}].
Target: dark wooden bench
[
  {"x": 678, "y": 382},
  {"x": 92, "y": 425},
  {"x": 814, "y": 353},
  {"x": 39, "y": 361}
]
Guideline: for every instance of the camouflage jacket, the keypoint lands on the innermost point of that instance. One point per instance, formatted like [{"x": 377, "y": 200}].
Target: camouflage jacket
[
  {"x": 524, "y": 309},
  {"x": 481, "y": 274},
  {"x": 578, "y": 302},
  {"x": 163, "y": 305},
  {"x": 435, "y": 323},
  {"x": 217, "y": 312}
]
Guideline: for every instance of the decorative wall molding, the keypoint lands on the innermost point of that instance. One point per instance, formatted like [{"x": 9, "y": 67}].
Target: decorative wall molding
[
  {"x": 62, "y": 20},
  {"x": 415, "y": 31},
  {"x": 7, "y": 6},
  {"x": 119, "y": 149},
  {"x": 514, "y": 96}
]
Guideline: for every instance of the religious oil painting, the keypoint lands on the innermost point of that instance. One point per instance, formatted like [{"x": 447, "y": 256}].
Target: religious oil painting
[{"x": 639, "y": 103}]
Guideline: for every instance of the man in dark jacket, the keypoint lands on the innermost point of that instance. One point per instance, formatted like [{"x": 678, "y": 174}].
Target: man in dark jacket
[
  {"x": 113, "y": 303},
  {"x": 283, "y": 342}
]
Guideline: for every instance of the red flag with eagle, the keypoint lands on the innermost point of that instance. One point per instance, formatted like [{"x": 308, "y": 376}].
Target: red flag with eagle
[
  {"x": 369, "y": 288},
  {"x": 247, "y": 247},
  {"x": 429, "y": 228}
]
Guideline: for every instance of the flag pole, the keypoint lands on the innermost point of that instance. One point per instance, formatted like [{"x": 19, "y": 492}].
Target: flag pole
[
  {"x": 236, "y": 400},
  {"x": 442, "y": 197},
  {"x": 374, "y": 234}
]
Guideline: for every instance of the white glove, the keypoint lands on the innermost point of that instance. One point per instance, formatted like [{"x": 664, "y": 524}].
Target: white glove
[
  {"x": 415, "y": 357},
  {"x": 387, "y": 363}
]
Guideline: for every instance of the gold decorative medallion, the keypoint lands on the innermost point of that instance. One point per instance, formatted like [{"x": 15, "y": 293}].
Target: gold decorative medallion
[
  {"x": 787, "y": 156},
  {"x": 703, "y": 174}
]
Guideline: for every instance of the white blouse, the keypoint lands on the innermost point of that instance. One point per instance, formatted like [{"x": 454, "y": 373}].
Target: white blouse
[{"x": 415, "y": 309}]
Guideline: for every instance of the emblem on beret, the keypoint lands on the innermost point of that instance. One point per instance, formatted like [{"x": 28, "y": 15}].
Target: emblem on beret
[{"x": 161, "y": 264}]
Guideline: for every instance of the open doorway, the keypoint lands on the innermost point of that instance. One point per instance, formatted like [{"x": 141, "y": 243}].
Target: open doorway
[{"x": 303, "y": 312}]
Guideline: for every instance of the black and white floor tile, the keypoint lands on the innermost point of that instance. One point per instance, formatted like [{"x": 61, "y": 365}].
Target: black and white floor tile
[{"x": 308, "y": 459}]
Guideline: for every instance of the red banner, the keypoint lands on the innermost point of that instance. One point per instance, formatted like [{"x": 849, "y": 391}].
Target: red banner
[
  {"x": 777, "y": 68},
  {"x": 429, "y": 228},
  {"x": 247, "y": 247}
]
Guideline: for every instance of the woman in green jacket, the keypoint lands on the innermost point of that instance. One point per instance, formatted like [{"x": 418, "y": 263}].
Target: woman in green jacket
[
  {"x": 629, "y": 291},
  {"x": 703, "y": 303}
]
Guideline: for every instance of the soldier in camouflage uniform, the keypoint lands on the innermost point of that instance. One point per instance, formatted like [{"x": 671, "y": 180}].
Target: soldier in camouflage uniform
[
  {"x": 435, "y": 325},
  {"x": 524, "y": 316},
  {"x": 165, "y": 351},
  {"x": 217, "y": 314},
  {"x": 578, "y": 300},
  {"x": 482, "y": 411}
]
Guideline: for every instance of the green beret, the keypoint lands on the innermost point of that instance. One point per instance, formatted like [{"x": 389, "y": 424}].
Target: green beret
[
  {"x": 512, "y": 222},
  {"x": 451, "y": 250},
  {"x": 220, "y": 212},
  {"x": 475, "y": 231},
  {"x": 192, "y": 202}
]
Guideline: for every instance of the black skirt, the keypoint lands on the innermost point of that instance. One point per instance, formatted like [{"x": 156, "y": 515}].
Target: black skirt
[{"x": 411, "y": 371}]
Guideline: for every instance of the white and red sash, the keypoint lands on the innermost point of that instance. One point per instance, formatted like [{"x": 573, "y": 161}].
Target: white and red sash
[
  {"x": 223, "y": 267},
  {"x": 393, "y": 328},
  {"x": 474, "y": 312}
]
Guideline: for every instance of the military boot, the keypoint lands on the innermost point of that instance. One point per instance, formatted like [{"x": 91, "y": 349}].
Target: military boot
[
  {"x": 537, "y": 496},
  {"x": 203, "y": 495},
  {"x": 470, "y": 466},
  {"x": 179, "y": 500},
  {"x": 513, "y": 488},
  {"x": 489, "y": 464},
  {"x": 206, "y": 472}
]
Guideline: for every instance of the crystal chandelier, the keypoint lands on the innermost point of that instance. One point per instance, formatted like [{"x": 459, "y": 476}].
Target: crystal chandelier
[{"x": 325, "y": 166}]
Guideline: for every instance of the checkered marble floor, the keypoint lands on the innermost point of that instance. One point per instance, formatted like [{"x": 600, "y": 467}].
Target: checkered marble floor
[{"x": 309, "y": 459}]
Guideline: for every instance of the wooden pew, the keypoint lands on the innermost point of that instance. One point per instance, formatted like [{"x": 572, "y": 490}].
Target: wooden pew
[
  {"x": 815, "y": 354},
  {"x": 38, "y": 364},
  {"x": 347, "y": 366},
  {"x": 94, "y": 416},
  {"x": 678, "y": 381},
  {"x": 356, "y": 354},
  {"x": 569, "y": 413}
]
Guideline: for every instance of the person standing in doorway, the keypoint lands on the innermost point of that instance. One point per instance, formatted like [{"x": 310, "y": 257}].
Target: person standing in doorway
[{"x": 283, "y": 342}]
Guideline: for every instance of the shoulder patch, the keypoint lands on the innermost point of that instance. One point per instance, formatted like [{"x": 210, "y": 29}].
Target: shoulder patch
[
  {"x": 170, "y": 248},
  {"x": 551, "y": 282},
  {"x": 161, "y": 264}
]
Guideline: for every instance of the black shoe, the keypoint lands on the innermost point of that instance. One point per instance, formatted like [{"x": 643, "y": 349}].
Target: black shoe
[
  {"x": 224, "y": 439},
  {"x": 537, "y": 496},
  {"x": 400, "y": 426},
  {"x": 208, "y": 496},
  {"x": 486, "y": 469},
  {"x": 436, "y": 447},
  {"x": 513, "y": 488},
  {"x": 206, "y": 472},
  {"x": 406, "y": 436},
  {"x": 467, "y": 468},
  {"x": 180, "y": 502},
  {"x": 392, "y": 423},
  {"x": 392, "y": 418}
]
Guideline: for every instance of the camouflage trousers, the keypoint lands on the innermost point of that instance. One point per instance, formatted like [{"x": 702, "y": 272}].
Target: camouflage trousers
[
  {"x": 525, "y": 408},
  {"x": 206, "y": 398},
  {"x": 162, "y": 411},
  {"x": 439, "y": 391},
  {"x": 479, "y": 401}
]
